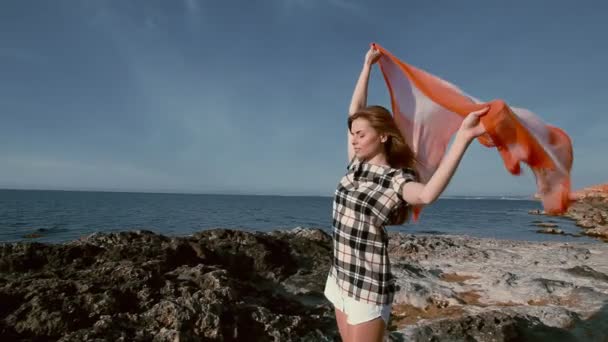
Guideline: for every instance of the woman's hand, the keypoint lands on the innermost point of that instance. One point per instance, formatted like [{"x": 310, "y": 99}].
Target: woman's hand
[
  {"x": 372, "y": 56},
  {"x": 471, "y": 126}
]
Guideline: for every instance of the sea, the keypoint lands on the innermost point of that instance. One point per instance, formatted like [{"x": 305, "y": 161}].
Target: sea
[{"x": 61, "y": 216}]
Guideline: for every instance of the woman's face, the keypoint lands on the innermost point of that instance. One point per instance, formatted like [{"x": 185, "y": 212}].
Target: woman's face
[{"x": 365, "y": 139}]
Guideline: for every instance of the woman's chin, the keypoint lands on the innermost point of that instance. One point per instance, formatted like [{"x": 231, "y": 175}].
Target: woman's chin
[{"x": 360, "y": 155}]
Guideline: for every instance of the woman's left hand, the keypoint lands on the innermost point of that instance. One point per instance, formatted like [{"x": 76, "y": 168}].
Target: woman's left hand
[{"x": 471, "y": 126}]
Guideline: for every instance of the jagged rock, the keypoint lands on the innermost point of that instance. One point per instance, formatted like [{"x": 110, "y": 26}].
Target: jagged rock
[
  {"x": 139, "y": 286},
  {"x": 228, "y": 285}
]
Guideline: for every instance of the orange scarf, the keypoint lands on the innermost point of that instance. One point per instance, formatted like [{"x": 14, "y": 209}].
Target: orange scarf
[{"x": 429, "y": 110}]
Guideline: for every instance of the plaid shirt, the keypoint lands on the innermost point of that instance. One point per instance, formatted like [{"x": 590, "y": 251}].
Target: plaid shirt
[{"x": 365, "y": 201}]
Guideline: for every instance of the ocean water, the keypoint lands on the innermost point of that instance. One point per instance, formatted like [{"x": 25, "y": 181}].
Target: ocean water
[{"x": 59, "y": 216}]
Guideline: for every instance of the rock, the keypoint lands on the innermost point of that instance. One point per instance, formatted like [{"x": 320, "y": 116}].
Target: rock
[
  {"x": 598, "y": 218},
  {"x": 550, "y": 231},
  {"x": 601, "y": 232},
  {"x": 597, "y": 191},
  {"x": 485, "y": 326},
  {"x": 585, "y": 223},
  {"x": 457, "y": 288},
  {"x": 589, "y": 210},
  {"x": 549, "y": 224},
  {"x": 546, "y": 224},
  {"x": 227, "y": 285},
  {"x": 134, "y": 286},
  {"x": 586, "y": 271}
]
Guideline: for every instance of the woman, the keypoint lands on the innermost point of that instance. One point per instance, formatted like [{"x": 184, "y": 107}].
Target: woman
[{"x": 379, "y": 189}]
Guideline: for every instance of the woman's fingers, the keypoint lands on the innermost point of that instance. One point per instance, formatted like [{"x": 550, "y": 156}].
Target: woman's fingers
[{"x": 481, "y": 111}]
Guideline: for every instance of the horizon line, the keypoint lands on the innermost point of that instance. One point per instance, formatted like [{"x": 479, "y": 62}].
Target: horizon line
[{"x": 177, "y": 192}]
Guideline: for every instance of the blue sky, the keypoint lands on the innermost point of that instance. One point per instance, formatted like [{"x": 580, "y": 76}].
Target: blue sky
[{"x": 250, "y": 97}]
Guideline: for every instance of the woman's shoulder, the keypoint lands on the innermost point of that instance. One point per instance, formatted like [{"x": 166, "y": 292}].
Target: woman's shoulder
[{"x": 408, "y": 172}]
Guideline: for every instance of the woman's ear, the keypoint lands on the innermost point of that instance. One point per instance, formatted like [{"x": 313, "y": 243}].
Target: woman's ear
[{"x": 383, "y": 138}]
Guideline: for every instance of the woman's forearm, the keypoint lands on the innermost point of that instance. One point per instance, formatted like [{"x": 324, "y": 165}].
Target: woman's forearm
[
  {"x": 359, "y": 99},
  {"x": 442, "y": 176}
]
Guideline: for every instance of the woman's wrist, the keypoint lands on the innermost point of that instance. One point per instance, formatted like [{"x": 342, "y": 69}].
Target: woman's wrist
[{"x": 464, "y": 136}]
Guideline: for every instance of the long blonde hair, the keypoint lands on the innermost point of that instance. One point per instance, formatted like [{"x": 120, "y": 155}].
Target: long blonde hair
[{"x": 398, "y": 153}]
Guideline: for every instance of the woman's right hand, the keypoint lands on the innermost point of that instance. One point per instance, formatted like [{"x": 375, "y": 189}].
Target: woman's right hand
[{"x": 372, "y": 56}]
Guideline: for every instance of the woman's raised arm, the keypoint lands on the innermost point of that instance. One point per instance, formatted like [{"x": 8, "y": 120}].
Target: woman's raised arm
[{"x": 359, "y": 99}]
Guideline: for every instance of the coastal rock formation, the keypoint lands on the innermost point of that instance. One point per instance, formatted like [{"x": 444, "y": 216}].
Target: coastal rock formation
[
  {"x": 221, "y": 285},
  {"x": 455, "y": 288},
  {"x": 600, "y": 190},
  {"x": 590, "y": 210},
  {"x": 227, "y": 285}
]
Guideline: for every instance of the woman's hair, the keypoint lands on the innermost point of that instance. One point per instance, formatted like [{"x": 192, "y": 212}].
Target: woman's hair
[{"x": 398, "y": 153}]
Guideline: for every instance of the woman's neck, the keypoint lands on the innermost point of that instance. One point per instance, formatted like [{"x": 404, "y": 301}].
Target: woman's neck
[{"x": 378, "y": 159}]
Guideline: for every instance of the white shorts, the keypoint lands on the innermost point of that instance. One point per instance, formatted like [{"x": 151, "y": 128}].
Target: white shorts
[{"x": 356, "y": 311}]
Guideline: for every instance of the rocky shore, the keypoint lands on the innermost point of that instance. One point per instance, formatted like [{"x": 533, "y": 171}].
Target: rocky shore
[
  {"x": 467, "y": 289},
  {"x": 589, "y": 210},
  {"x": 226, "y": 285}
]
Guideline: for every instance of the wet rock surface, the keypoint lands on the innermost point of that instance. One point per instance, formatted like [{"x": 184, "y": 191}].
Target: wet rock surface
[{"x": 227, "y": 285}]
